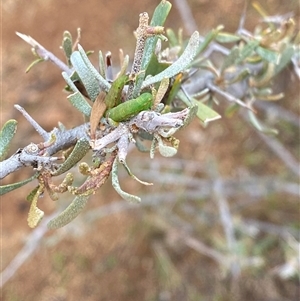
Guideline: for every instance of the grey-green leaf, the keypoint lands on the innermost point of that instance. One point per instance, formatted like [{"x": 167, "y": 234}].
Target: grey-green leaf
[
  {"x": 67, "y": 45},
  {"x": 165, "y": 150},
  {"x": 116, "y": 185},
  {"x": 230, "y": 58},
  {"x": 70, "y": 213},
  {"x": 79, "y": 102},
  {"x": 80, "y": 150},
  {"x": 6, "y": 135},
  {"x": 182, "y": 63},
  {"x": 103, "y": 83},
  {"x": 89, "y": 81},
  {"x": 77, "y": 99},
  {"x": 10, "y": 187},
  {"x": 133, "y": 176}
]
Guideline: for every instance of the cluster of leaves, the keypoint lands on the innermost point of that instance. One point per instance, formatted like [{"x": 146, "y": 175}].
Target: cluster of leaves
[{"x": 151, "y": 102}]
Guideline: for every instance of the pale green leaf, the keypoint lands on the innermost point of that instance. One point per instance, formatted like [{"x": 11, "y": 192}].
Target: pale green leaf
[
  {"x": 230, "y": 58},
  {"x": 173, "y": 41},
  {"x": 206, "y": 114},
  {"x": 225, "y": 37},
  {"x": 259, "y": 126},
  {"x": 268, "y": 55},
  {"x": 101, "y": 65},
  {"x": 208, "y": 39},
  {"x": 285, "y": 59},
  {"x": 246, "y": 51}
]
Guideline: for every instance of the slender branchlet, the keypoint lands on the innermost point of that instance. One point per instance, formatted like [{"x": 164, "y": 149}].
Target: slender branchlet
[{"x": 141, "y": 36}]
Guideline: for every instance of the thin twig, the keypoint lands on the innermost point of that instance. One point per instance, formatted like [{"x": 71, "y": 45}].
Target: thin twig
[
  {"x": 43, "y": 133},
  {"x": 279, "y": 112},
  {"x": 282, "y": 152},
  {"x": 64, "y": 139},
  {"x": 226, "y": 218},
  {"x": 43, "y": 53},
  {"x": 270, "y": 228},
  {"x": 243, "y": 15},
  {"x": 141, "y": 34},
  {"x": 203, "y": 249},
  {"x": 228, "y": 96},
  {"x": 278, "y": 148}
]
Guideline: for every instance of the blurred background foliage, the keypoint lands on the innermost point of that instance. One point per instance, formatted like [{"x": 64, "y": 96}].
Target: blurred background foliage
[{"x": 221, "y": 221}]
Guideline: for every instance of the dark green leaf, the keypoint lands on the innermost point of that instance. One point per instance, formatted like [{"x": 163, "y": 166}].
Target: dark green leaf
[
  {"x": 113, "y": 97},
  {"x": 155, "y": 66}
]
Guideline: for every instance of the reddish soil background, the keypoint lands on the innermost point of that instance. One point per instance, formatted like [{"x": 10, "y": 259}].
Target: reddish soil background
[{"x": 116, "y": 257}]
